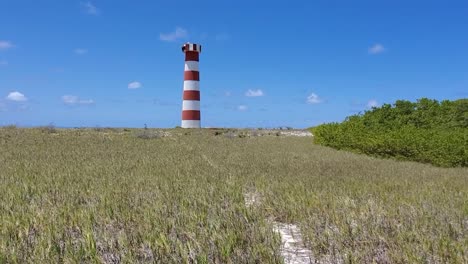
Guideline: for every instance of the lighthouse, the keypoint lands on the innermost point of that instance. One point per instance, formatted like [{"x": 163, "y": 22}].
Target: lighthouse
[{"x": 191, "y": 96}]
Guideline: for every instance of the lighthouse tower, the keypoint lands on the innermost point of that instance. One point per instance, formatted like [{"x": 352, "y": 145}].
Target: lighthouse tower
[{"x": 191, "y": 97}]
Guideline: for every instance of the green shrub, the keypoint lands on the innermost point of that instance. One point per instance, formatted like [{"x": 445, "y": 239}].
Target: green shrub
[{"x": 425, "y": 131}]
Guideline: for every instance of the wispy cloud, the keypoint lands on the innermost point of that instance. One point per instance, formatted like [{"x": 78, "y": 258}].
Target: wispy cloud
[
  {"x": 134, "y": 85},
  {"x": 17, "y": 97},
  {"x": 372, "y": 103},
  {"x": 242, "y": 108},
  {"x": 376, "y": 49},
  {"x": 5, "y": 45},
  {"x": 179, "y": 33},
  {"x": 90, "y": 8},
  {"x": 254, "y": 93},
  {"x": 75, "y": 100},
  {"x": 313, "y": 99},
  {"x": 80, "y": 51},
  {"x": 227, "y": 93},
  {"x": 3, "y": 63}
]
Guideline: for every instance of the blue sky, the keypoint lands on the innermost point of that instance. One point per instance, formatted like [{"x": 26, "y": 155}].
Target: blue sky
[{"x": 264, "y": 63}]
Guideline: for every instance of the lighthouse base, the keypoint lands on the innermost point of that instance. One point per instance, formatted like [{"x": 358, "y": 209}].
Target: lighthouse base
[{"x": 190, "y": 124}]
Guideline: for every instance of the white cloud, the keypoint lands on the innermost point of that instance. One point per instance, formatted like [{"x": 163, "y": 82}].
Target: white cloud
[
  {"x": 377, "y": 49},
  {"x": 16, "y": 96},
  {"x": 75, "y": 100},
  {"x": 372, "y": 103},
  {"x": 80, "y": 51},
  {"x": 4, "y": 45},
  {"x": 242, "y": 108},
  {"x": 90, "y": 8},
  {"x": 254, "y": 93},
  {"x": 86, "y": 102},
  {"x": 134, "y": 85},
  {"x": 3, "y": 63},
  {"x": 313, "y": 99},
  {"x": 179, "y": 33}
]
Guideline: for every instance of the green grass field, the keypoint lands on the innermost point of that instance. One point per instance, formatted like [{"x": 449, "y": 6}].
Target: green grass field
[{"x": 114, "y": 196}]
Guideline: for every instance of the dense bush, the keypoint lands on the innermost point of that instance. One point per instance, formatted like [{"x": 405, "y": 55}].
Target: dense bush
[{"x": 426, "y": 131}]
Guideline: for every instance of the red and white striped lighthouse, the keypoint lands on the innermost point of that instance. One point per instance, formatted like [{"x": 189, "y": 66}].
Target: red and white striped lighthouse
[{"x": 191, "y": 97}]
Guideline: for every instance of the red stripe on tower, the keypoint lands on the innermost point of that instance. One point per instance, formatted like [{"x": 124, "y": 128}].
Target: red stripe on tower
[
  {"x": 191, "y": 115},
  {"x": 191, "y": 96},
  {"x": 191, "y": 76},
  {"x": 191, "y": 56}
]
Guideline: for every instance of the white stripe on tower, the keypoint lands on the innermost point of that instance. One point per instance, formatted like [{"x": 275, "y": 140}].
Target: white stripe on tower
[
  {"x": 191, "y": 65},
  {"x": 191, "y": 123},
  {"x": 191, "y": 105},
  {"x": 191, "y": 96},
  {"x": 192, "y": 85}
]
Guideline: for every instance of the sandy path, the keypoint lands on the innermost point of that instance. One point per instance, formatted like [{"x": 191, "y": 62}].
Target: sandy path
[{"x": 292, "y": 246}]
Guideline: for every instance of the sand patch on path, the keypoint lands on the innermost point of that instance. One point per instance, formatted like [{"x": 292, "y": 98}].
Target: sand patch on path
[{"x": 292, "y": 246}]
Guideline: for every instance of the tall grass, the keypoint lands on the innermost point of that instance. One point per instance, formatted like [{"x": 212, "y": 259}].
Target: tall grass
[{"x": 87, "y": 196}]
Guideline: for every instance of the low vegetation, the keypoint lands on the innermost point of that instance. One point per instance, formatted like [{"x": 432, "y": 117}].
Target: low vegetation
[
  {"x": 80, "y": 195},
  {"x": 425, "y": 131}
]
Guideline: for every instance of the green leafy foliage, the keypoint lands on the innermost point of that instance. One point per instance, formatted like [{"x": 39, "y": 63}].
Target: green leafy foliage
[{"x": 425, "y": 131}]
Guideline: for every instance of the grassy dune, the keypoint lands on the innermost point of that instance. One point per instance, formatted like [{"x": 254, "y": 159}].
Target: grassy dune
[{"x": 112, "y": 196}]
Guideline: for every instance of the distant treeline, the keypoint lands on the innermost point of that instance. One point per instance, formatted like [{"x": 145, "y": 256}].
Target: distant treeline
[{"x": 425, "y": 131}]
